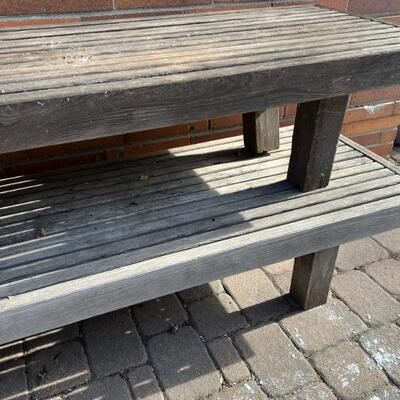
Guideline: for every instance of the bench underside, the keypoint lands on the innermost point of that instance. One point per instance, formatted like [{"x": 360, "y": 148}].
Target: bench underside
[{"x": 82, "y": 242}]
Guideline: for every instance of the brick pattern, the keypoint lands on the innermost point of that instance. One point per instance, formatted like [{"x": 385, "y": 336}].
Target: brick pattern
[{"x": 205, "y": 342}]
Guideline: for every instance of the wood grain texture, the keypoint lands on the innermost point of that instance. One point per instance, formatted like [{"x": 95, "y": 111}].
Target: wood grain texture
[
  {"x": 316, "y": 133},
  {"x": 312, "y": 276},
  {"x": 83, "y": 81},
  {"x": 261, "y": 130},
  {"x": 81, "y": 242}
]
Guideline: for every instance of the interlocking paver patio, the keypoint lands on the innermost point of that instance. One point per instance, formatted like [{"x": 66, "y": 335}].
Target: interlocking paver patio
[{"x": 223, "y": 345}]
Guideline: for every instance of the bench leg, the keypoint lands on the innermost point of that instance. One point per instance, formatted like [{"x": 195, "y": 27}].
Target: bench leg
[
  {"x": 312, "y": 276},
  {"x": 316, "y": 133},
  {"x": 261, "y": 130}
]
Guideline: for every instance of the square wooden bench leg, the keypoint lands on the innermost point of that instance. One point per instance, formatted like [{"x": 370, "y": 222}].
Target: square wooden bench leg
[
  {"x": 315, "y": 137},
  {"x": 261, "y": 130},
  {"x": 312, "y": 276}
]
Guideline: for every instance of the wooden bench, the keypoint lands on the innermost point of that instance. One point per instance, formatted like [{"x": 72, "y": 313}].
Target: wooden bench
[{"x": 85, "y": 241}]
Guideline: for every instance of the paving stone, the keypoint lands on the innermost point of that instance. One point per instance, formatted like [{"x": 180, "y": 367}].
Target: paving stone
[
  {"x": 271, "y": 355},
  {"x": 11, "y": 351},
  {"x": 390, "y": 240},
  {"x": 228, "y": 360},
  {"x": 279, "y": 268},
  {"x": 387, "y": 274},
  {"x": 144, "y": 384},
  {"x": 216, "y": 315},
  {"x": 356, "y": 254},
  {"x": 283, "y": 281},
  {"x": 386, "y": 393},
  {"x": 159, "y": 315},
  {"x": 244, "y": 391},
  {"x": 13, "y": 382},
  {"x": 183, "y": 366},
  {"x": 256, "y": 295},
  {"x": 56, "y": 369},
  {"x": 383, "y": 344},
  {"x": 110, "y": 388},
  {"x": 349, "y": 371},
  {"x": 201, "y": 291},
  {"x": 113, "y": 343},
  {"x": 323, "y": 326},
  {"x": 316, "y": 392},
  {"x": 366, "y": 298},
  {"x": 51, "y": 338}
]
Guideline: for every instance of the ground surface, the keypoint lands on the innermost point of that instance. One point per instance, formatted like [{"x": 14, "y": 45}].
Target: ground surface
[{"x": 240, "y": 339}]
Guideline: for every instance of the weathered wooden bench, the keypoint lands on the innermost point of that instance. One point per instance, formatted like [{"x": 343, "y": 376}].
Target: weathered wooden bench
[{"x": 81, "y": 242}]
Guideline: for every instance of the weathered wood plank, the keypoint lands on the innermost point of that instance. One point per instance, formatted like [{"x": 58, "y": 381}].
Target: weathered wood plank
[
  {"x": 65, "y": 303},
  {"x": 316, "y": 133},
  {"x": 312, "y": 276},
  {"x": 261, "y": 130}
]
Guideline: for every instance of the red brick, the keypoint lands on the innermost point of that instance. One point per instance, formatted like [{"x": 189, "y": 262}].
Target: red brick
[
  {"x": 290, "y": 110},
  {"x": 368, "y": 139},
  {"x": 293, "y": 3},
  {"x": 224, "y": 122},
  {"x": 369, "y": 112},
  {"x": 286, "y": 122},
  {"x": 382, "y": 149},
  {"x": 373, "y": 125},
  {"x": 123, "y": 4},
  {"x": 336, "y": 4},
  {"x": 397, "y": 107},
  {"x": 216, "y": 135},
  {"x": 373, "y": 6},
  {"x": 37, "y": 21},
  {"x": 18, "y": 7},
  {"x": 375, "y": 95},
  {"x": 393, "y": 19},
  {"x": 388, "y": 136},
  {"x": 199, "y": 126},
  {"x": 12, "y": 158}
]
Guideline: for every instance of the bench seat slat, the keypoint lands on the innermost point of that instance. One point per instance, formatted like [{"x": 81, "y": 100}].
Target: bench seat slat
[
  {"x": 114, "y": 260},
  {"x": 71, "y": 242},
  {"x": 92, "y": 80}
]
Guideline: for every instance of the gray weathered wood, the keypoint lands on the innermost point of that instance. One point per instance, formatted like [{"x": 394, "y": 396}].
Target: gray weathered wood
[
  {"x": 93, "y": 80},
  {"x": 316, "y": 133},
  {"x": 312, "y": 276},
  {"x": 261, "y": 130}
]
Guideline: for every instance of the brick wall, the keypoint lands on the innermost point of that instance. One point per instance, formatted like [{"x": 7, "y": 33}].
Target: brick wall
[{"x": 372, "y": 119}]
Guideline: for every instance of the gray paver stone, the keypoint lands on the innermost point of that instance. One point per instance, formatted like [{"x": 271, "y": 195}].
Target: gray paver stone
[
  {"x": 391, "y": 240},
  {"x": 216, "y": 315},
  {"x": 280, "y": 267},
  {"x": 113, "y": 343},
  {"x": 256, "y": 295},
  {"x": 201, "y": 291},
  {"x": 271, "y": 355},
  {"x": 349, "y": 371},
  {"x": 387, "y": 274},
  {"x": 13, "y": 382},
  {"x": 228, "y": 360},
  {"x": 57, "y": 369},
  {"x": 51, "y": 338},
  {"x": 315, "y": 392},
  {"x": 144, "y": 384},
  {"x": 183, "y": 366},
  {"x": 283, "y": 281},
  {"x": 110, "y": 388},
  {"x": 386, "y": 393},
  {"x": 383, "y": 344},
  {"x": 358, "y": 253},
  {"x": 244, "y": 391},
  {"x": 323, "y": 326},
  {"x": 159, "y": 315},
  {"x": 366, "y": 298}
]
